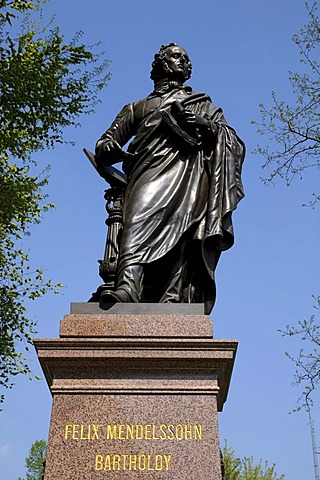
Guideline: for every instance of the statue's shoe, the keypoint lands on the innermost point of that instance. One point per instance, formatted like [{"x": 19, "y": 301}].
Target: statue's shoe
[{"x": 119, "y": 296}]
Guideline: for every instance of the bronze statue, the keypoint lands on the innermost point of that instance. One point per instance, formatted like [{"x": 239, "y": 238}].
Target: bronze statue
[{"x": 184, "y": 180}]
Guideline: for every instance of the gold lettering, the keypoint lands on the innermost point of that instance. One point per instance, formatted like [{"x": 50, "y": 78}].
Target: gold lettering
[
  {"x": 167, "y": 459},
  {"x": 132, "y": 462},
  {"x": 188, "y": 432},
  {"x": 82, "y": 436},
  {"x": 170, "y": 427},
  {"x": 75, "y": 433},
  {"x": 147, "y": 431},
  {"x": 107, "y": 463},
  {"x": 163, "y": 431},
  {"x": 111, "y": 432},
  {"x": 159, "y": 462},
  {"x": 124, "y": 457},
  {"x": 139, "y": 431},
  {"x": 121, "y": 433},
  {"x": 149, "y": 463},
  {"x": 130, "y": 432},
  {"x": 95, "y": 433},
  {"x": 179, "y": 432},
  {"x": 67, "y": 431},
  {"x": 81, "y": 432},
  {"x": 142, "y": 465},
  {"x": 99, "y": 464},
  {"x": 198, "y": 431},
  {"x": 154, "y": 432},
  {"x": 142, "y": 462},
  {"x": 116, "y": 462}
]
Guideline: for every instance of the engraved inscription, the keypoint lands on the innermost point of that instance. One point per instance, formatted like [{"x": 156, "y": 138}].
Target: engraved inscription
[{"x": 139, "y": 461}]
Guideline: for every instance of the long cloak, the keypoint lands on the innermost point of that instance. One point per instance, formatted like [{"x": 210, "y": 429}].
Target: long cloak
[{"x": 180, "y": 184}]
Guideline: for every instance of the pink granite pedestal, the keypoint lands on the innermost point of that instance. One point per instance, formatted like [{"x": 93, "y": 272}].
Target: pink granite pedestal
[{"x": 135, "y": 395}]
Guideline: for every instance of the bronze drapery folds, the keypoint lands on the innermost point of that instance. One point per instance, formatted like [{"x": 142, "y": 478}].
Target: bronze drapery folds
[{"x": 184, "y": 182}]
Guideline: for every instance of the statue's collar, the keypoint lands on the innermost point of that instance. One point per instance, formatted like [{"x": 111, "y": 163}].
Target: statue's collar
[{"x": 165, "y": 86}]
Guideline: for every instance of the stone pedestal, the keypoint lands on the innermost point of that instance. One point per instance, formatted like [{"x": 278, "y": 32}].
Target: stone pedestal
[{"x": 135, "y": 393}]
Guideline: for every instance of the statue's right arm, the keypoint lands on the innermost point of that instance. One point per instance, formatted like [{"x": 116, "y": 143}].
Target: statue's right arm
[{"x": 108, "y": 147}]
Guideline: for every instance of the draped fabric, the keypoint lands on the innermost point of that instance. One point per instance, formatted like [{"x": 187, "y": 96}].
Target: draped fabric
[{"x": 182, "y": 187}]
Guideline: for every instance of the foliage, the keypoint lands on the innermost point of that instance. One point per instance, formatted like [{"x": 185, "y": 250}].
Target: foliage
[
  {"x": 54, "y": 90},
  {"x": 244, "y": 469},
  {"x": 295, "y": 129},
  {"x": 45, "y": 84},
  {"x": 35, "y": 460},
  {"x": 307, "y": 361},
  {"x": 20, "y": 200}
]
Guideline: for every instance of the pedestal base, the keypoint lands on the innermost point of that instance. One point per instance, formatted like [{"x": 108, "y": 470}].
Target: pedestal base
[{"x": 135, "y": 396}]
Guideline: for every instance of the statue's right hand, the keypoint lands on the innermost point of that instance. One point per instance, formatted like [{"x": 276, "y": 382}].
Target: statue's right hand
[{"x": 108, "y": 152}]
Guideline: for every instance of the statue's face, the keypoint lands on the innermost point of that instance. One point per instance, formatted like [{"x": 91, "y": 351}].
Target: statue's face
[{"x": 177, "y": 60}]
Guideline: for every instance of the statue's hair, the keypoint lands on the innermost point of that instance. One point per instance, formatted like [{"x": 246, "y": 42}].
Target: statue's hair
[{"x": 160, "y": 69}]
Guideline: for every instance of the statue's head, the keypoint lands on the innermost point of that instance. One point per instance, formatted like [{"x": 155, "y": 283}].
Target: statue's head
[{"x": 171, "y": 62}]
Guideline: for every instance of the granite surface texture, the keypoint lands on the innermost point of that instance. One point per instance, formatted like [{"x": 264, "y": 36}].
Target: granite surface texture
[
  {"x": 162, "y": 436},
  {"x": 135, "y": 396},
  {"x": 135, "y": 325}
]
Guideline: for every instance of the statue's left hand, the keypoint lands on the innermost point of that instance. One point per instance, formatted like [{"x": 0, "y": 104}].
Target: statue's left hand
[{"x": 190, "y": 118}]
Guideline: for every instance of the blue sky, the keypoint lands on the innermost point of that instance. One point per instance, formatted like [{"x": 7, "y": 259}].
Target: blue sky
[{"x": 240, "y": 51}]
